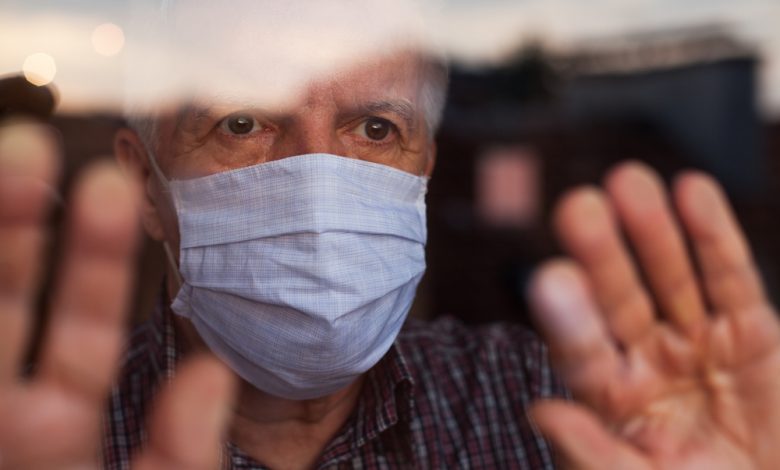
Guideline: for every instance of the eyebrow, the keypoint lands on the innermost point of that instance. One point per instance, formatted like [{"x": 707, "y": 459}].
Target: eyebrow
[
  {"x": 402, "y": 108},
  {"x": 192, "y": 113}
]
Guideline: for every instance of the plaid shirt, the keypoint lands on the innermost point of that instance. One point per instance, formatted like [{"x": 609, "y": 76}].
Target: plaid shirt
[{"x": 444, "y": 396}]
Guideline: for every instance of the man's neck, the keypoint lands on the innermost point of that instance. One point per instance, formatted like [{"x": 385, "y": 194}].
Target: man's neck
[
  {"x": 289, "y": 434},
  {"x": 280, "y": 433}
]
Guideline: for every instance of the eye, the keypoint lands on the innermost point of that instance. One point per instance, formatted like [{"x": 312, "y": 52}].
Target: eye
[
  {"x": 239, "y": 124},
  {"x": 376, "y": 129}
]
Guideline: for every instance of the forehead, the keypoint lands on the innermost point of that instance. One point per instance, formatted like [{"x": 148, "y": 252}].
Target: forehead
[
  {"x": 266, "y": 50},
  {"x": 392, "y": 81},
  {"x": 396, "y": 72},
  {"x": 384, "y": 77}
]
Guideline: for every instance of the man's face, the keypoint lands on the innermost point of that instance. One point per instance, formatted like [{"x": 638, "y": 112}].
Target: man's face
[{"x": 370, "y": 112}]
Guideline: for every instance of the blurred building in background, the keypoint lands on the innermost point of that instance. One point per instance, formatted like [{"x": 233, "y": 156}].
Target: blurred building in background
[
  {"x": 696, "y": 88},
  {"x": 515, "y": 137}
]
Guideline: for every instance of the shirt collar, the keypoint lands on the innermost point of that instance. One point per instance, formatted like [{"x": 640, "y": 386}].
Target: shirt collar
[
  {"x": 383, "y": 409},
  {"x": 386, "y": 398}
]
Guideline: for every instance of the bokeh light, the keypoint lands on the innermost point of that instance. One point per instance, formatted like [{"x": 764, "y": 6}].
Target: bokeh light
[
  {"x": 108, "y": 39},
  {"x": 39, "y": 69}
]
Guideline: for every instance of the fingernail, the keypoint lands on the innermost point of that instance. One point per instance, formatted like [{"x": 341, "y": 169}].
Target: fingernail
[
  {"x": 560, "y": 299},
  {"x": 704, "y": 200},
  {"x": 27, "y": 150},
  {"x": 107, "y": 197},
  {"x": 592, "y": 214},
  {"x": 641, "y": 187}
]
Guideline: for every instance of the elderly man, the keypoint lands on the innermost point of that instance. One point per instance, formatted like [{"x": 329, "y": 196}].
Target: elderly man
[{"x": 295, "y": 230}]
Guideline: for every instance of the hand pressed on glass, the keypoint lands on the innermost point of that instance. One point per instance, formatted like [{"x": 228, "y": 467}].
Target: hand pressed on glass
[
  {"x": 689, "y": 386},
  {"x": 53, "y": 420}
]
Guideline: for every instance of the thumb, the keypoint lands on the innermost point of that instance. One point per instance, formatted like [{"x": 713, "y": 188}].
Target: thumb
[
  {"x": 190, "y": 418},
  {"x": 581, "y": 440}
]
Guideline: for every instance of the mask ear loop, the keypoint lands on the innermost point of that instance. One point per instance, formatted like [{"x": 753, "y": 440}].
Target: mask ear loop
[
  {"x": 173, "y": 264},
  {"x": 167, "y": 189}
]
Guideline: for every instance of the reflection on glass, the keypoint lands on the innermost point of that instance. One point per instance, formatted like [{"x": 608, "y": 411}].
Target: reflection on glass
[
  {"x": 108, "y": 39},
  {"x": 39, "y": 68}
]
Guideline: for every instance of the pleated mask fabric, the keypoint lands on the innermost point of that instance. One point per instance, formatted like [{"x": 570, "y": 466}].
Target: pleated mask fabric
[{"x": 300, "y": 272}]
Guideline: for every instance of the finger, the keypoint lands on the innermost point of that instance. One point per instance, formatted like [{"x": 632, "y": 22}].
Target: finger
[
  {"x": 43, "y": 429},
  {"x": 580, "y": 346},
  {"x": 730, "y": 278},
  {"x": 641, "y": 203},
  {"x": 587, "y": 228},
  {"x": 582, "y": 439},
  {"x": 190, "y": 418},
  {"x": 84, "y": 337},
  {"x": 28, "y": 170}
]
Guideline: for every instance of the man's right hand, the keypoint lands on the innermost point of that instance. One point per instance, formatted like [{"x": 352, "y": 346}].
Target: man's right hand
[{"x": 53, "y": 419}]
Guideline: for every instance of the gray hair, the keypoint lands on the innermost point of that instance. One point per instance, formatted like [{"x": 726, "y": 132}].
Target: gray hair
[
  {"x": 433, "y": 93},
  {"x": 145, "y": 125}
]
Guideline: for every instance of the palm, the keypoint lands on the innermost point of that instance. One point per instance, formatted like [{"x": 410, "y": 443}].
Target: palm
[
  {"x": 676, "y": 386},
  {"x": 691, "y": 407},
  {"x": 53, "y": 419}
]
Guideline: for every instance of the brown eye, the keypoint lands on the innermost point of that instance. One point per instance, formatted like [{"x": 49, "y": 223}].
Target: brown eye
[
  {"x": 377, "y": 129},
  {"x": 239, "y": 124}
]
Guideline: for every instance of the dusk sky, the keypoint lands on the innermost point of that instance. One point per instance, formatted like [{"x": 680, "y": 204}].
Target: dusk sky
[{"x": 89, "y": 62}]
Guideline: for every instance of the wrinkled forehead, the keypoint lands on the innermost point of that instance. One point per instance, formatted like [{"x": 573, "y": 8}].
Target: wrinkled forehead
[{"x": 266, "y": 52}]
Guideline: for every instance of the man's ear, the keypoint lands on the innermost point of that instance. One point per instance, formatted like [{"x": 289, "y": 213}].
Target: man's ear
[
  {"x": 133, "y": 158},
  {"x": 431, "y": 158}
]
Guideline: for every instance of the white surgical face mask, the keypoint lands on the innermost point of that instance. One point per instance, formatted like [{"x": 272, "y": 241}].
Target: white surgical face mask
[{"x": 299, "y": 273}]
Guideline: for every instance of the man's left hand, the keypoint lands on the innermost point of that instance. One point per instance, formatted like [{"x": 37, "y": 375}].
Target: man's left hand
[{"x": 675, "y": 363}]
